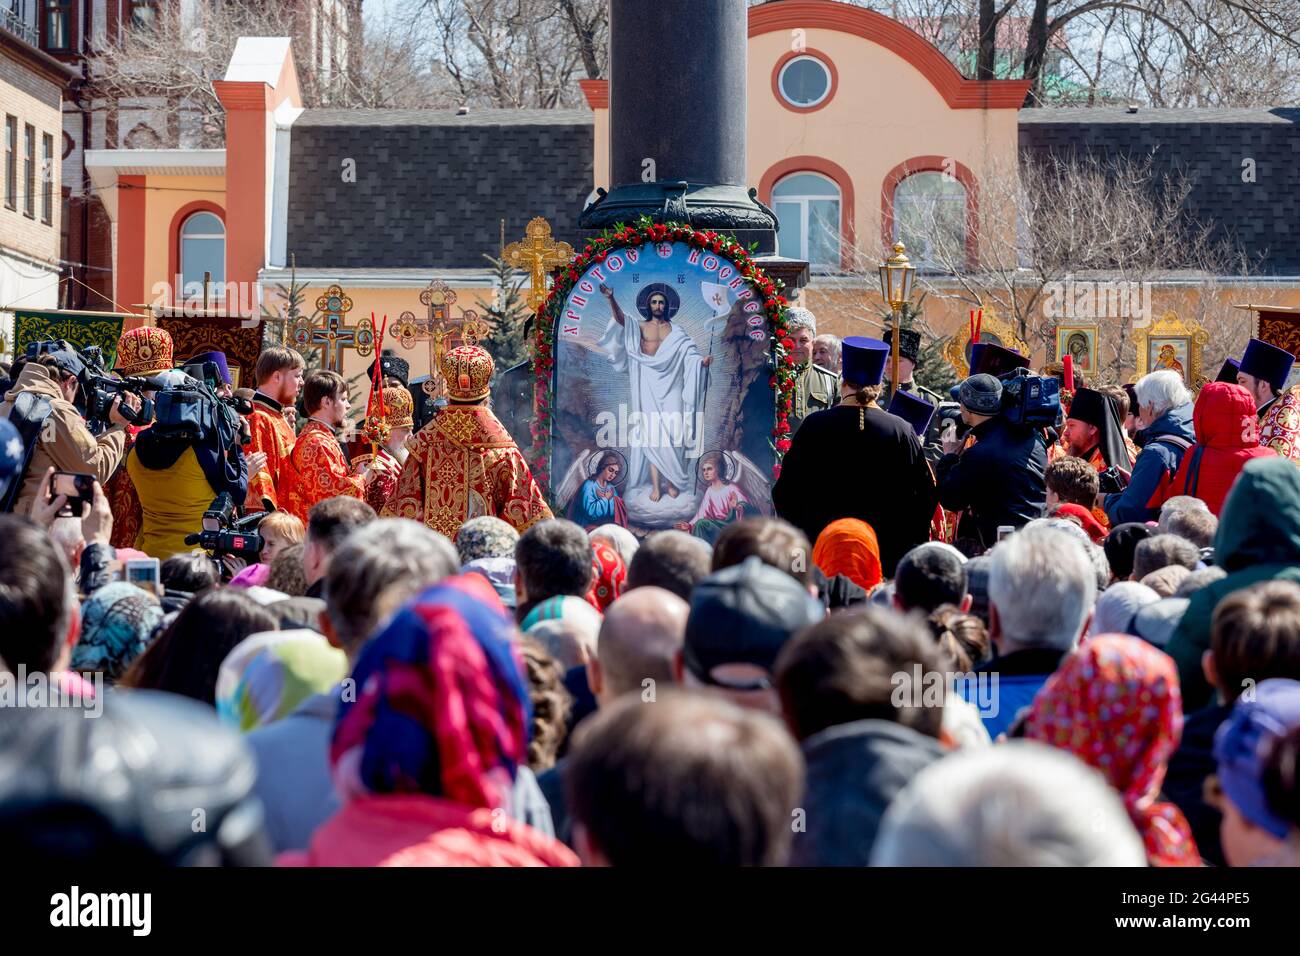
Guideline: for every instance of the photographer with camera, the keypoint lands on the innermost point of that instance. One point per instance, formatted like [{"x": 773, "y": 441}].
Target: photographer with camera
[
  {"x": 994, "y": 476},
  {"x": 180, "y": 464},
  {"x": 42, "y": 405}
]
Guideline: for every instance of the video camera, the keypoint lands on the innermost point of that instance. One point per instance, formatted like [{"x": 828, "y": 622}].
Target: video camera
[
  {"x": 1033, "y": 401},
  {"x": 98, "y": 390},
  {"x": 223, "y": 533},
  {"x": 210, "y": 375}
]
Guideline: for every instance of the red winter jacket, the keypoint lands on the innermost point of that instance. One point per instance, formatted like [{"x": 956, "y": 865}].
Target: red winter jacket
[
  {"x": 418, "y": 830},
  {"x": 1227, "y": 436}
]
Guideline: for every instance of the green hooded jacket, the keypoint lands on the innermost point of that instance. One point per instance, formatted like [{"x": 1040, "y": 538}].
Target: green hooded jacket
[{"x": 1258, "y": 540}]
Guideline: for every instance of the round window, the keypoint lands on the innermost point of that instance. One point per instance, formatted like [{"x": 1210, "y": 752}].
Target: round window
[{"x": 805, "y": 81}]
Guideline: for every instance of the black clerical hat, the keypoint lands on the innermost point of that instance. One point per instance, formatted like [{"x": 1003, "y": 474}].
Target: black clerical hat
[
  {"x": 1267, "y": 362},
  {"x": 989, "y": 359},
  {"x": 392, "y": 367},
  {"x": 863, "y": 360},
  {"x": 912, "y": 409},
  {"x": 1228, "y": 372},
  {"x": 909, "y": 343}
]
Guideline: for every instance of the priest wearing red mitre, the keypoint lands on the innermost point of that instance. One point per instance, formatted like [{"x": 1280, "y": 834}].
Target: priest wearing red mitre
[{"x": 464, "y": 463}]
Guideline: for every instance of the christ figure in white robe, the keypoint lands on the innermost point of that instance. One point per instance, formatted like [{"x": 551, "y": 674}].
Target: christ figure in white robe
[{"x": 666, "y": 373}]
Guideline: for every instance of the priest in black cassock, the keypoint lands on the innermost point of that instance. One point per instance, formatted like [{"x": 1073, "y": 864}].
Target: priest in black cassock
[{"x": 856, "y": 460}]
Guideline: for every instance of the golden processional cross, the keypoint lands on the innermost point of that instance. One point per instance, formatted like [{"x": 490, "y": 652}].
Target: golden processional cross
[
  {"x": 440, "y": 329},
  {"x": 539, "y": 254}
]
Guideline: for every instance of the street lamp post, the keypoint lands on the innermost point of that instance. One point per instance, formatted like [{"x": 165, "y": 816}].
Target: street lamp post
[{"x": 896, "y": 274}]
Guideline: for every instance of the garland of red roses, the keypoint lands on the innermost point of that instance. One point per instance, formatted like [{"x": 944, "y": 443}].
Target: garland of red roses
[{"x": 648, "y": 232}]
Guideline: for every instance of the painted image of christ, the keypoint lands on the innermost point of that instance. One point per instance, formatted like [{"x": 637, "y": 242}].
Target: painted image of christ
[{"x": 666, "y": 376}]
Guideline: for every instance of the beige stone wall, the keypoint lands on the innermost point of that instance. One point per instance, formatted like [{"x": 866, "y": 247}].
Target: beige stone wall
[
  {"x": 853, "y": 307},
  {"x": 36, "y": 101}
]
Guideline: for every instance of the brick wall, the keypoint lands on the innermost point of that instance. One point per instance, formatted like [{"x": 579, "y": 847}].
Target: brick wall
[{"x": 36, "y": 101}]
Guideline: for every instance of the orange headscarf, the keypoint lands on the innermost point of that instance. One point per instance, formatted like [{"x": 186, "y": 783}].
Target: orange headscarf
[{"x": 848, "y": 547}]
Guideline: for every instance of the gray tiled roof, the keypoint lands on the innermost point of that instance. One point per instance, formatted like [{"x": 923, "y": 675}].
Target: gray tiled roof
[
  {"x": 379, "y": 117},
  {"x": 431, "y": 187},
  {"x": 1208, "y": 147},
  {"x": 1080, "y": 114}
]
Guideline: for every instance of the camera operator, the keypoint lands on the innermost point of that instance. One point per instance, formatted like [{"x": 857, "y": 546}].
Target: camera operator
[
  {"x": 997, "y": 478},
  {"x": 63, "y": 440},
  {"x": 182, "y": 462}
]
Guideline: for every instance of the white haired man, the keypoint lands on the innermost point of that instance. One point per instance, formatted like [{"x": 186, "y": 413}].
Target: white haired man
[
  {"x": 815, "y": 388},
  {"x": 1018, "y": 804},
  {"x": 1165, "y": 416},
  {"x": 1042, "y": 588},
  {"x": 826, "y": 352}
]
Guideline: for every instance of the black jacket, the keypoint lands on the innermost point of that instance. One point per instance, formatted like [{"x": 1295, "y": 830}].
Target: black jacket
[
  {"x": 996, "y": 481},
  {"x": 852, "y": 462},
  {"x": 1189, "y": 767},
  {"x": 855, "y": 770}
]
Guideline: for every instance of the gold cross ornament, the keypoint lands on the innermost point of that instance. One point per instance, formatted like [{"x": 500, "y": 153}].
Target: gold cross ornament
[{"x": 539, "y": 254}]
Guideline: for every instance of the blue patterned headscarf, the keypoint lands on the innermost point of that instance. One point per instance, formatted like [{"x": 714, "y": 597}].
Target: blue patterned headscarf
[{"x": 117, "y": 623}]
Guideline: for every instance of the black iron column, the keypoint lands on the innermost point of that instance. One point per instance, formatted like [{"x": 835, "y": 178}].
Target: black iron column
[{"x": 677, "y": 119}]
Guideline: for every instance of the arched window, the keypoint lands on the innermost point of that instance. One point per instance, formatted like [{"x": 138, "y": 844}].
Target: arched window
[
  {"x": 203, "y": 248},
  {"x": 930, "y": 219},
  {"x": 808, "y": 206}
]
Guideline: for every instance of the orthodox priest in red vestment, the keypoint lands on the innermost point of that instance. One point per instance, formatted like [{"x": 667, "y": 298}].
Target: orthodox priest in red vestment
[
  {"x": 464, "y": 463},
  {"x": 317, "y": 469},
  {"x": 387, "y": 429}
]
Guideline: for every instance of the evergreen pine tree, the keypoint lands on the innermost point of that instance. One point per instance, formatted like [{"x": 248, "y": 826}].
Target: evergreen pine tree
[
  {"x": 507, "y": 315},
  {"x": 932, "y": 368}
]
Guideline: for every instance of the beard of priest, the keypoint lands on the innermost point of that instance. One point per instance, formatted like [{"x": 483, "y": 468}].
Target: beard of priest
[
  {"x": 855, "y": 460},
  {"x": 463, "y": 464},
  {"x": 1094, "y": 433}
]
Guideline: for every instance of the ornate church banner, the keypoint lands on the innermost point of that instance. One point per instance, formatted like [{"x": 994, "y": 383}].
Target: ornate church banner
[
  {"x": 80, "y": 329},
  {"x": 242, "y": 342},
  {"x": 663, "y": 383}
]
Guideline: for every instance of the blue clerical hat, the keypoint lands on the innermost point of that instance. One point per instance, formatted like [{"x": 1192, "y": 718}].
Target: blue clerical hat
[
  {"x": 1228, "y": 372},
  {"x": 913, "y": 409},
  {"x": 1267, "y": 362},
  {"x": 863, "y": 360},
  {"x": 989, "y": 359},
  {"x": 216, "y": 358}
]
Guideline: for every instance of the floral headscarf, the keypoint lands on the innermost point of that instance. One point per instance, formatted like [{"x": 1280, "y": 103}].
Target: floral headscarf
[
  {"x": 609, "y": 575},
  {"x": 442, "y": 706},
  {"x": 848, "y": 547},
  {"x": 268, "y": 675},
  {"x": 1115, "y": 704},
  {"x": 117, "y": 623},
  {"x": 485, "y": 537}
]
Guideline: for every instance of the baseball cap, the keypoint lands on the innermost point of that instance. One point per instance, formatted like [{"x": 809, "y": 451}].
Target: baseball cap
[
  {"x": 1241, "y": 747},
  {"x": 744, "y": 614}
]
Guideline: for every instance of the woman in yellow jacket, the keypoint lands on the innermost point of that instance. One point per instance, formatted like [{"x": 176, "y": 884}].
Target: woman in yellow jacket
[{"x": 177, "y": 477}]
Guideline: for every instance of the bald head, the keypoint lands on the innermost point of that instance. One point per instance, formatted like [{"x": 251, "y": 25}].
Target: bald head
[{"x": 639, "y": 638}]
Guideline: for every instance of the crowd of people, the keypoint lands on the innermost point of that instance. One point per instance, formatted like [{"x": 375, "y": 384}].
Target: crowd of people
[{"x": 1027, "y": 642}]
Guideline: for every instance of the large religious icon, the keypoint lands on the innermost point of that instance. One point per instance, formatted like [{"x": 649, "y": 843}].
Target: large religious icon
[
  {"x": 993, "y": 331},
  {"x": 661, "y": 354},
  {"x": 1169, "y": 343},
  {"x": 593, "y": 488},
  {"x": 731, "y": 487},
  {"x": 1080, "y": 342}
]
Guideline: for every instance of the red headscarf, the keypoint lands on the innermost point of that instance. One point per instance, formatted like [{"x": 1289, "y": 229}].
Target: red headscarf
[
  {"x": 609, "y": 575},
  {"x": 848, "y": 547},
  {"x": 1086, "y": 518},
  {"x": 1115, "y": 704}
]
